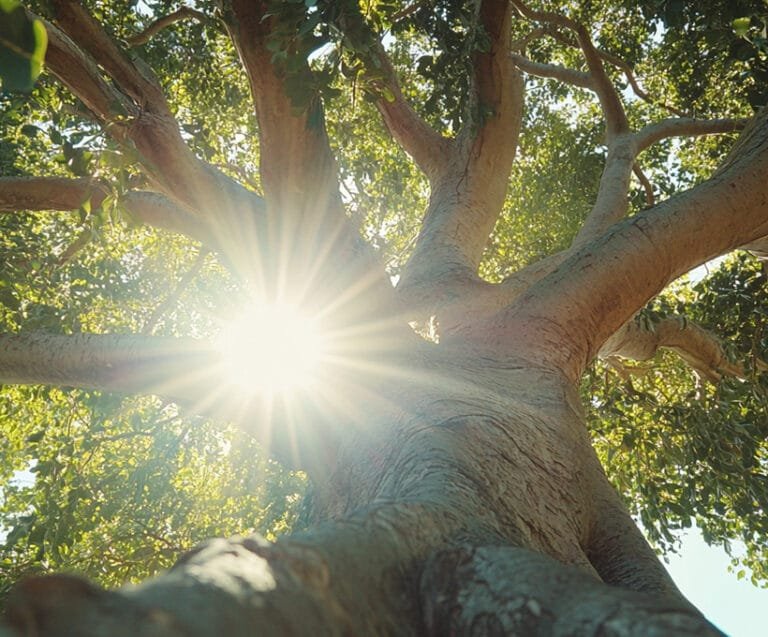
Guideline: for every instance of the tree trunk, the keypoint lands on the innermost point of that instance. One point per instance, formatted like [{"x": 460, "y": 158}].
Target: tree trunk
[{"x": 465, "y": 499}]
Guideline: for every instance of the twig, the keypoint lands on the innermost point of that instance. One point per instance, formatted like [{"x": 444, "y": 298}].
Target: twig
[{"x": 650, "y": 199}]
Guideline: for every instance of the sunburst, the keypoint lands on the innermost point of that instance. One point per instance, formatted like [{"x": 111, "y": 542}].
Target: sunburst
[{"x": 270, "y": 349}]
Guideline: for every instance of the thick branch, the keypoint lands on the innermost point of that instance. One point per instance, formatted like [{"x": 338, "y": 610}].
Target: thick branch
[
  {"x": 164, "y": 22},
  {"x": 170, "y": 163},
  {"x": 497, "y": 111},
  {"x": 428, "y": 149},
  {"x": 593, "y": 293},
  {"x": 309, "y": 237},
  {"x": 79, "y": 73},
  {"x": 759, "y": 249},
  {"x": 342, "y": 579},
  {"x": 467, "y": 199},
  {"x": 499, "y": 590},
  {"x": 187, "y": 371},
  {"x": 174, "y": 368},
  {"x": 611, "y": 203},
  {"x": 158, "y": 211},
  {"x": 61, "y": 193},
  {"x": 298, "y": 171},
  {"x": 139, "y": 83},
  {"x": 697, "y": 347},
  {"x": 49, "y": 193}
]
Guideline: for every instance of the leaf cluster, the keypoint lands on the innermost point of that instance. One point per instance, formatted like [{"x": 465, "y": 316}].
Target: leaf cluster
[{"x": 682, "y": 451}]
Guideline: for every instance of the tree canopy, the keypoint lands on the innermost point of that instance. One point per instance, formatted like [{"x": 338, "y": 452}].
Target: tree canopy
[{"x": 114, "y": 481}]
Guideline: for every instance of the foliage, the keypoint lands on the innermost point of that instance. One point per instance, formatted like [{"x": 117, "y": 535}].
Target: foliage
[
  {"x": 681, "y": 450},
  {"x": 722, "y": 39},
  {"x": 22, "y": 47},
  {"x": 118, "y": 487}
]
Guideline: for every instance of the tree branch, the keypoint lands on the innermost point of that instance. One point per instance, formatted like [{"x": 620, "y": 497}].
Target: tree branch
[
  {"x": 554, "y": 71},
  {"x": 428, "y": 149},
  {"x": 79, "y": 73},
  {"x": 650, "y": 199},
  {"x": 310, "y": 237},
  {"x": 49, "y": 193},
  {"x": 156, "y": 210},
  {"x": 61, "y": 193},
  {"x": 697, "y": 347},
  {"x": 759, "y": 248},
  {"x": 139, "y": 83},
  {"x": 594, "y": 292},
  {"x": 611, "y": 203},
  {"x": 164, "y": 22},
  {"x": 173, "y": 298},
  {"x": 187, "y": 371},
  {"x": 82, "y": 240},
  {"x": 135, "y": 112},
  {"x": 298, "y": 171},
  {"x": 685, "y": 127},
  {"x": 624, "y": 67},
  {"x": 613, "y": 109},
  {"x": 174, "y": 368},
  {"x": 530, "y": 592},
  {"x": 406, "y": 11},
  {"x": 638, "y": 90},
  {"x": 467, "y": 199}
]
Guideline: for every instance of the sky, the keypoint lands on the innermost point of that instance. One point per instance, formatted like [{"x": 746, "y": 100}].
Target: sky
[{"x": 736, "y": 607}]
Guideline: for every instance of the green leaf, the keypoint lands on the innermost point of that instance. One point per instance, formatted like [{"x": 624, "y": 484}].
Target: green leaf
[
  {"x": 22, "y": 47},
  {"x": 741, "y": 26},
  {"x": 387, "y": 94}
]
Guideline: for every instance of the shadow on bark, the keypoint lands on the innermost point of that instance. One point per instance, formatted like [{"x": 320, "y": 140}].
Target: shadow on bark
[
  {"x": 246, "y": 586},
  {"x": 512, "y": 591}
]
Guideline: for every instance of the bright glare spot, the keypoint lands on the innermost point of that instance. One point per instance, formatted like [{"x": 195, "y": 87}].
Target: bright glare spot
[{"x": 270, "y": 349}]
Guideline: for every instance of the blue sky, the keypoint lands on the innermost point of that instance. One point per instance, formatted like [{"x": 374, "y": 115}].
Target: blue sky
[{"x": 701, "y": 572}]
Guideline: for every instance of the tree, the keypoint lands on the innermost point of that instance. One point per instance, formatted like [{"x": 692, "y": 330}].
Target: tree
[{"x": 454, "y": 484}]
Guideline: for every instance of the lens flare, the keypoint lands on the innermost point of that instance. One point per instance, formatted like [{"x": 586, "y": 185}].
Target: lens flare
[{"x": 271, "y": 349}]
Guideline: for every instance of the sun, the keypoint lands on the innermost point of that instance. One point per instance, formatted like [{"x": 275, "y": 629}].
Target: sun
[{"x": 270, "y": 349}]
